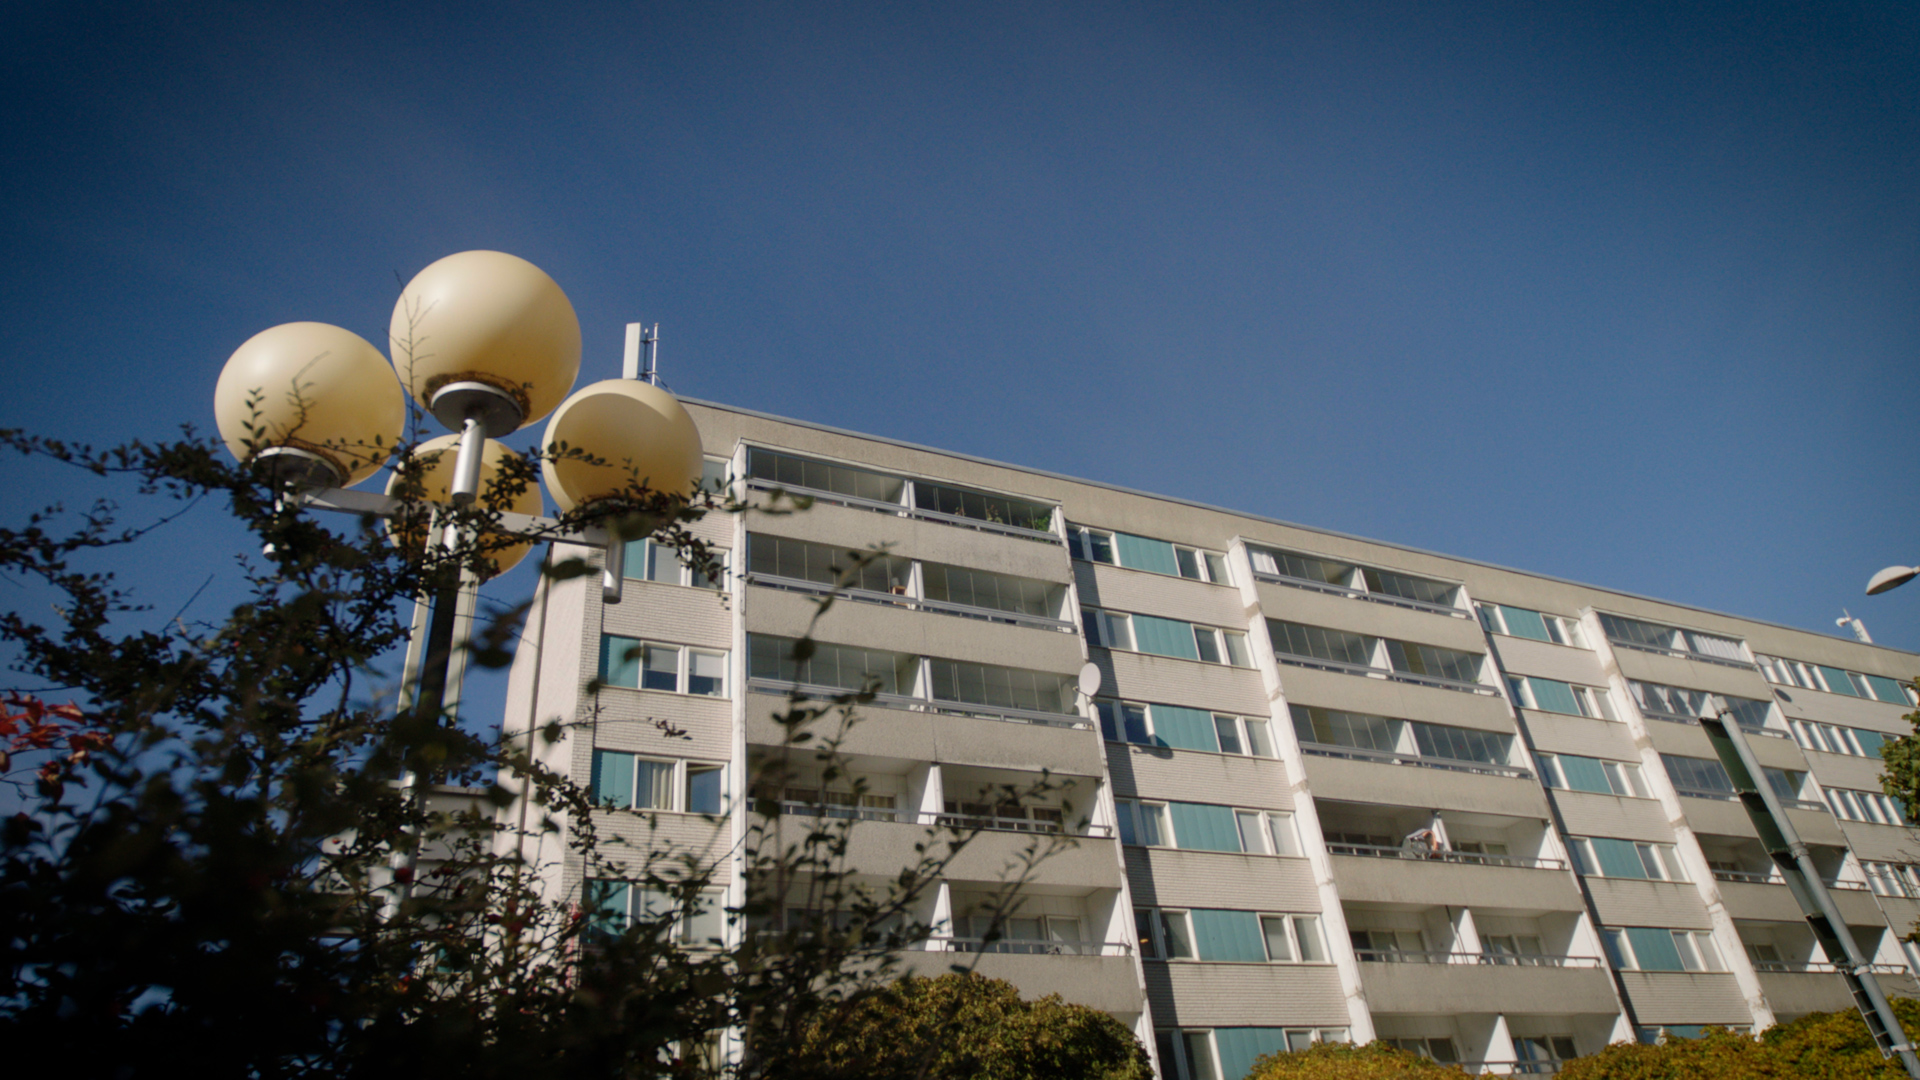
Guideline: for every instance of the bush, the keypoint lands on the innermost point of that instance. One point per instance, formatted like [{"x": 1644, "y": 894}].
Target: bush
[
  {"x": 1823, "y": 1046},
  {"x": 1342, "y": 1061}
]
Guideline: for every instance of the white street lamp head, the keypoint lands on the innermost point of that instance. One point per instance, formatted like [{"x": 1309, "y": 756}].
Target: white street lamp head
[
  {"x": 317, "y": 402},
  {"x": 435, "y": 462},
  {"x": 1891, "y": 578},
  {"x": 640, "y": 432},
  {"x": 487, "y": 335}
]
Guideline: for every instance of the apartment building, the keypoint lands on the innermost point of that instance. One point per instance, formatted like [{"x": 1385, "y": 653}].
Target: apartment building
[{"x": 1328, "y": 788}]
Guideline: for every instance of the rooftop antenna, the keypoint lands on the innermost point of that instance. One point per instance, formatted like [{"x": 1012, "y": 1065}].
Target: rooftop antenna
[
  {"x": 642, "y": 359},
  {"x": 1859, "y": 628}
]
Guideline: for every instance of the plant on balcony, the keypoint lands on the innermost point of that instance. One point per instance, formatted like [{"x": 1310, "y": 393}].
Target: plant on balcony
[{"x": 963, "y": 1027}]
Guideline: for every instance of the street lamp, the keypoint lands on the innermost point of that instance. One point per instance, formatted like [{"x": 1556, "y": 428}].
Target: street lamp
[{"x": 1891, "y": 578}]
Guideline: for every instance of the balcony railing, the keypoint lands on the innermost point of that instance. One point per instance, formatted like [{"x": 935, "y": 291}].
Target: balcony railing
[
  {"x": 1756, "y": 877},
  {"x": 1404, "y": 956},
  {"x": 957, "y": 822},
  {"x": 1005, "y": 713},
  {"x": 1678, "y": 718},
  {"x": 1354, "y": 753},
  {"x": 1382, "y": 851},
  {"x": 1729, "y": 796},
  {"x": 1820, "y": 967},
  {"x": 913, "y": 603},
  {"x": 1028, "y": 946},
  {"x": 1358, "y": 594},
  {"x": 857, "y": 503},
  {"x": 1390, "y": 674},
  {"x": 1682, "y": 654}
]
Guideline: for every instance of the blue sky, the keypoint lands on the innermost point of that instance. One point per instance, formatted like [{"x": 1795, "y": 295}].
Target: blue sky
[{"x": 1624, "y": 293}]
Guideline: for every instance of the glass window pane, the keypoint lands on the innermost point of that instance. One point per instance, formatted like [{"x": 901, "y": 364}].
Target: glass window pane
[
  {"x": 619, "y": 661},
  {"x": 1199, "y": 1055},
  {"x": 1216, "y": 569},
  {"x": 1280, "y": 828},
  {"x": 1523, "y": 623},
  {"x": 1307, "y": 933},
  {"x": 1227, "y": 731},
  {"x": 1189, "y": 562},
  {"x": 1279, "y": 941},
  {"x": 1109, "y": 712},
  {"x": 1237, "y": 654},
  {"x": 1253, "y": 839},
  {"x": 663, "y": 564},
  {"x": 1126, "y": 810},
  {"x": 1153, "y": 824},
  {"x": 703, "y": 789},
  {"x": 1208, "y": 642},
  {"x": 653, "y": 785},
  {"x": 1259, "y": 739},
  {"x": 707, "y": 674},
  {"x": 1176, "y": 934},
  {"x": 660, "y": 668}
]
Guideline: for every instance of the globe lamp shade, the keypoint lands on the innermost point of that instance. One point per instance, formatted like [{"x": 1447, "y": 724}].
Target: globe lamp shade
[
  {"x": 1891, "y": 578},
  {"x": 311, "y": 387},
  {"x": 434, "y": 465},
  {"x": 492, "y": 318},
  {"x": 640, "y": 433}
]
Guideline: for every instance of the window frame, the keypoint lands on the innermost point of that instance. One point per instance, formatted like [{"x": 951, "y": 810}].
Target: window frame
[
  {"x": 1104, "y": 628},
  {"x": 1617, "y": 774},
  {"x": 682, "y": 666},
  {"x": 679, "y": 786},
  {"x": 638, "y": 565},
  {"x": 1127, "y": 822},
  {"x": 711, "y": 901}
]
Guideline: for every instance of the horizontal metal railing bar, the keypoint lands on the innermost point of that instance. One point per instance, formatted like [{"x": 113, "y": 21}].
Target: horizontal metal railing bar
[
  {"x": 1388, "y": 757},
  {"x": 1680, "y": 654},
  {"x": 1819, "y": 967},
  {"x": 1007, "y": 713},
  {"x": 944, "y": 607},
  {"x": 958, "y": 822},
  {"x": 1752, "y": 877},
  {"x": 1381, "y": 851},
  {"x": 1681, "y": 718},
  {"x": 1028, "y": 946},
  {"x": 1408, "y": 956},
  {"x": 901, "y": 509},
  {"x": 1357, "y": 594},
  {"x": 1389, "y": 674}
]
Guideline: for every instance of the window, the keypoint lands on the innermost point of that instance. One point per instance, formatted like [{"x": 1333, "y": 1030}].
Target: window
[
  {"x": 1598, "y": 856},
  {"x": 1675, "y": 703},
  {"x": 1143, "y": 553},
  {"x": 824, "y": 564},
  {"x": 1166, "y": 637},
  {"x": 999, "y": 592},
  {"x": 1302, "y": 567},
  {"x": 715, "y": 475},
  {"x": 999, "y": 687},
  {"x": 1667, "y": 639},
  {"x": 1318, "y": 643},
  {"x": 1544, "y": 1049},
  {"x": 1522, "y": 622},
  {"x": 1182, "y": 728},
  {"x": 1266, "y": 832},
  {"x": 1385, "y": 946},
  {"x": 1434, "y": 662},
  {"x": 1229, "y": 936},
  {"x": 1408, "y": 587},
  {"x": 840, "y": 667},
  {"x": 1869, "y": 806},
  {"x": 1551, "y": 695},
  {"x": 1143, "y": 823},
  {"x": 1697, "y": 776},
  {"x": 648, "y": 561},
  {"x": 1835, "y": 680},
  {"x": 1330, "y": 727},
  {"x": 616, "y": 905},
  {"x": 793, "y": 471},
  {"x": 1229, "y": 1053},
  {"x": 1834, "y": 739},
  {"x": 982, "y": 506},
  {"x": 632, "y": 782},
  {"x": 1574, "y": 773},
  {"x": 1893, "y": 879},
  {"x": 1643, "y": 948},
  {"x": 673, "y": 669}
]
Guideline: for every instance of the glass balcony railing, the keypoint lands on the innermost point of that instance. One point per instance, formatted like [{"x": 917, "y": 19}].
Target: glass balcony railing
[{"x": 1421, "y": 854}]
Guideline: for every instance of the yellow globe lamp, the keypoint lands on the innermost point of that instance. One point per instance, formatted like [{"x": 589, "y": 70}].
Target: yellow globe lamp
[
  {"x": 638, "y": 432},
  {"x": 485, "y": 336},
  {"x": 314, "y": 402},
  {"x": 434, "y": 461}
]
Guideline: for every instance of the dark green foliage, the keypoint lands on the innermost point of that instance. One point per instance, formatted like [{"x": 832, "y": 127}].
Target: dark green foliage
[{"x": 1340, "y": 1061}]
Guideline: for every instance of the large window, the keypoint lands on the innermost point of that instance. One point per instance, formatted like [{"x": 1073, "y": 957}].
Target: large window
[
  {"x": 651, "y": 665},
  {"x": 1834, "y": 739},
  {"x": 793, "y": 471},
  {"x": 1166, "y": 637},
  {"x": 1205, "y": 827},
  {"x": 1319, "y": 643},
  {"x": 613, "y": 906},
  {"x": 1001, "y": 687},
  {"x": 1572, "y": 772},
  {"x": 1673, "y": 702},
  {"x": 1527, "y": 623},
  {"x": 1144, "y": 553},
  {"x": 1434, "y": 662},
  {"x": 1835, "y": 680},
  {"x": 840, "y": 667},
  {"x": 826, "y": 564},
  {"x": 647, "y": 561},
  {"x": 638, "y": 782},
  {"x": 1229, "y": 936},
  {"x": 1350, "y": 578},
  {"x": 1869, "y": 806},
  {"x": 980, "y": 506},
  {"x": 984, "y": 589},
  {"x": 1668, "y": 639},
  {"x": 1408, "y": 587},
  {"x": 1358, "y": 731},
  {"x": 1600, "y": 856},
  {"x": 1302, "y": 567},
  {"x": 1552, "y": 695},
  {"x": 1649, "y": 948},
  {"x": 1182, "y": 728}
]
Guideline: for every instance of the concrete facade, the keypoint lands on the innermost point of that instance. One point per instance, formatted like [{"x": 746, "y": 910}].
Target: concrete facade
[{"x": 1329, "y": 788}]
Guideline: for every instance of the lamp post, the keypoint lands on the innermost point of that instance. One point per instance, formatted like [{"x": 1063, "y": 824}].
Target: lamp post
[
  {"x": 1891, "y": 578},
  {"x": 487, "y": 343}
]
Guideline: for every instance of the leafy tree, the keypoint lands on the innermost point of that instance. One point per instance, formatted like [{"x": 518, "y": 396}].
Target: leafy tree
[
  {"x": 1901, "y": 780},
  {"x": 1819, "y": 1046},
  {"x": 962, "y": 1027},
  {"x": 214, "y": 863},
  {"x": 1343, "y": 1061}
]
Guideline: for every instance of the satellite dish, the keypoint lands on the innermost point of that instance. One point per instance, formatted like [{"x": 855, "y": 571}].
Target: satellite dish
[{"x": 1090, "y": 679}]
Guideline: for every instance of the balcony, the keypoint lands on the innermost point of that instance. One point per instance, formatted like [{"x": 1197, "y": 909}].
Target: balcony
[
  {"x": 1401, "y": 851},
  {"x": 1009, "y": 946},
  {"x": 1399, "y": 956},
  {"x": 900, "y": 597},
  {"x": 1579, "y": 986},
  {"x": 915, "y": 704},
  {"x": 834, "y": 498}
]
